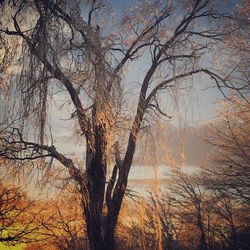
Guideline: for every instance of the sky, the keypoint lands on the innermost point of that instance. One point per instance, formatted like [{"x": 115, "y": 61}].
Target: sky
[
  {"x": 119, "y": 5},
  {"x": 196, "y": 106},
  {"x": 200, "y": 104}
]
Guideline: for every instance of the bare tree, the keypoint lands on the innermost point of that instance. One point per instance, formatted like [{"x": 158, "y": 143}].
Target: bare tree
[
  {"x": 163, "y": 206},
  {"x": 238, "y": 60},
  {"x": 61, "y": 223},
  {"x": 67, "y": 44},
  {"x": 227, "y": 179},
  {"x": 189, "y": 198},
  {"x": 17, "y": 223},
  {"x": 229, "y": 137}
]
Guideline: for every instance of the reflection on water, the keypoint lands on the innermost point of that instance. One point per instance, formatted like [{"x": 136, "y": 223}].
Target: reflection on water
[{"x": 141, "y": 178}]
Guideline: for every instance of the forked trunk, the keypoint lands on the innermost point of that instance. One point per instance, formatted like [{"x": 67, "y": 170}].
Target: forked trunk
[
  {"x": 96, "y": 176},
  {"x": 101, "y": 233}
]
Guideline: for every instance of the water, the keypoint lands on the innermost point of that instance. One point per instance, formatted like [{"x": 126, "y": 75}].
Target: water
[{"x": 141, "y": 178}]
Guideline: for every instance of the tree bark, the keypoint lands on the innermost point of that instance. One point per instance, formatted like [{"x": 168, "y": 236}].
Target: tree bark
[{"x": 96, "y": 176}]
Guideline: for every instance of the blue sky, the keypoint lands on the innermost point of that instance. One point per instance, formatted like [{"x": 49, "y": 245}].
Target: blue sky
[
  {"x": 196, "y": 106},
  {"x": 202, "y": 100},
  {"x": 119, "y": 5}
]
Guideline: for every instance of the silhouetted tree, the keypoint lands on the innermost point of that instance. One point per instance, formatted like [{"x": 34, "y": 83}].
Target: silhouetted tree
[
  {"x": 70, "y": 46},
  {"x": 17, "y": 222}
]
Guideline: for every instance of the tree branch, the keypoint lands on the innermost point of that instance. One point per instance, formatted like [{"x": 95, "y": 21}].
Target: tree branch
[{"x": 14, "y": 153}]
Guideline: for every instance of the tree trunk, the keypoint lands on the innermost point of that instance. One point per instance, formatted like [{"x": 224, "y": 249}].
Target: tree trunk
[
  {"x": 102, "y": 236},
  {"x": 121, "y": 185},
  {"x": 109, "y": 237},
  {"x": 94, "y": 232},
  {"x": 203, "y": 244},
  {"x": 96, "y": 176}
]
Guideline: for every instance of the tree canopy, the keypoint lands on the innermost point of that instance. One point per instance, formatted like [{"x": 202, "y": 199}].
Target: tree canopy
[{"x": 79, "y": 48}]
